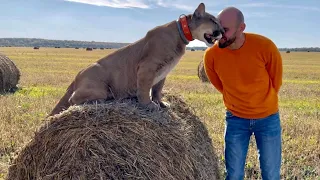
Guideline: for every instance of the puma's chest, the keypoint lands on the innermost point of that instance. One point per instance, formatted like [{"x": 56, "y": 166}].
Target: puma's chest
[{"x": 165, "y": 68}]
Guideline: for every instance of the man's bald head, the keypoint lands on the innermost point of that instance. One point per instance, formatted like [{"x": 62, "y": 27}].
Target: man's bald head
[
  {"x": 232, "y": 21},
  {"x": 233, "y": 14}
]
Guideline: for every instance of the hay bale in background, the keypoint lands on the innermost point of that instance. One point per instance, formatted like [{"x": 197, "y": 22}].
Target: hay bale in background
[
  {"x": 201, "y": 72},
  {"x": 9, "y": 75},
  {"x": 119, "y": 141}
]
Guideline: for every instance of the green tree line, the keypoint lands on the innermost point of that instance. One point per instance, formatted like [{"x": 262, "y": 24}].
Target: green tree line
[{"x": 35, "y": 42}]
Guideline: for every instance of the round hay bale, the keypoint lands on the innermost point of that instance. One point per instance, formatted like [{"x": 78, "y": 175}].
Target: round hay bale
[
  {"x": 9, "y": 75},
  {"x": 118, "y": 140},
  {"x": 201, "y": 73}
]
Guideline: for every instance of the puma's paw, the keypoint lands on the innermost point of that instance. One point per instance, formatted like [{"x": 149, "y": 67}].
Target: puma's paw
[
  {"x": 152, "y": 106},
  {"x": 163, "y": 104}
]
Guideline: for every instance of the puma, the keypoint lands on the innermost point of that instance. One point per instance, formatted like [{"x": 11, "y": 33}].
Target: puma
[{"x": 134, "y": 70}]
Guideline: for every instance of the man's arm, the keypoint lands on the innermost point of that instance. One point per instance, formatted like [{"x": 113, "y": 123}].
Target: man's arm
[
  {"x": 274, "y": 66},
  {"x": 212, "y": 75}
]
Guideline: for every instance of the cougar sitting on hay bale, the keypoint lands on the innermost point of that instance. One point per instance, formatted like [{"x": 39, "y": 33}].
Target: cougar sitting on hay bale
[
  {"x": 9, "y": 75},
  {"x": 202, "y": 73},
  {"x": 140, "y": 67},
  {"x": 119, "y": 140}
]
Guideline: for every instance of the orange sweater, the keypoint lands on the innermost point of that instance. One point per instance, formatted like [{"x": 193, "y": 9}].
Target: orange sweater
[{"x": 249, "y": 78}]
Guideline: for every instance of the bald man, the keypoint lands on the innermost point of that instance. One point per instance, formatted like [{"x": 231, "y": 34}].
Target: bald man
[{"x": 247, "y": 69}]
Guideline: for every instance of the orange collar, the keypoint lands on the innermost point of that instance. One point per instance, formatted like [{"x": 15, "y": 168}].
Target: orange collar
[{"x": 185, "y": 27}]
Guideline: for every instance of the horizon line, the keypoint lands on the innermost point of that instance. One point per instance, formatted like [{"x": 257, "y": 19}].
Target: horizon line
[{"x": 118, "y": 42}]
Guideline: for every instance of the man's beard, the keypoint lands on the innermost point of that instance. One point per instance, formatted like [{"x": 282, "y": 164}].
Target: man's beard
[{"x": 227, "y": 43}]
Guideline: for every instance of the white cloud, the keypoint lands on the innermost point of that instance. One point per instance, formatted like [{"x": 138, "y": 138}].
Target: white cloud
[
  {"x": 115, "y": 3},
  {"x": 144, "y": 4},
  {"x": 185, "y": 5},
  {"x": 258, "y": 14},
  {"x": 282, "y": 6},
  {"x": 308, "y": 8},
  {"x": 253, "y": 5}
]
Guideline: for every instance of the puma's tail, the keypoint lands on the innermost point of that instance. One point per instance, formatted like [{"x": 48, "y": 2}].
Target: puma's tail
[{"x": 63, "y": 102}]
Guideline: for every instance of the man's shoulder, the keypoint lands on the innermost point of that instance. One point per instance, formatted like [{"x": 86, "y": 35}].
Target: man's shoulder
[
  {"x": 261, "y": 43},
  {"x": 259, "y": 39}
]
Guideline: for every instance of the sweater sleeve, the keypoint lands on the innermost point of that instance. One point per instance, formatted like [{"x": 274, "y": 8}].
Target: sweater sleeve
[
  {"x": 212, "y": 75},
  {"x": 274, "y": 66}
]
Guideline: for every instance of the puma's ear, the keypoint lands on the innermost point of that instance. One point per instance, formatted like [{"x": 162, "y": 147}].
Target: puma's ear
[{"x": 199, "y": 12}]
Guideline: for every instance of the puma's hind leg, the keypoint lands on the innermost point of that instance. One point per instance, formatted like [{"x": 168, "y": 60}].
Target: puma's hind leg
[{"x": 97, "y": 92}]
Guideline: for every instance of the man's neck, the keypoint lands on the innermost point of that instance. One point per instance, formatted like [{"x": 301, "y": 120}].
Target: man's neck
[{"x": 238, "y": 42}]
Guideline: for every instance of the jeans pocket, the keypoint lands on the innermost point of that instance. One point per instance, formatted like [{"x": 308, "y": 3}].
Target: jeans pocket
[{"x": 229, "y": 114}]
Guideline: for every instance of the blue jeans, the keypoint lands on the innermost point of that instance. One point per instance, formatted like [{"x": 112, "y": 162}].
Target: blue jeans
[{"x": 267, "y": 132}]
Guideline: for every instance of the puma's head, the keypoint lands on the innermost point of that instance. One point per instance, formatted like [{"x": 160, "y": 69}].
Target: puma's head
[{"x": 204, "y": 26}]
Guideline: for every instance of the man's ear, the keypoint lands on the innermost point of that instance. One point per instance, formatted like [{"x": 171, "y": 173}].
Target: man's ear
[
  {"x": 199, "y": 12},
  {"x": 242, "y": 27}
]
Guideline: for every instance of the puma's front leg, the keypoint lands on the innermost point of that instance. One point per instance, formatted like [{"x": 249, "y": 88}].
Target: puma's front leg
[
  {"x": 145, "y": 79},
  {"x": 156, "y": 94}
]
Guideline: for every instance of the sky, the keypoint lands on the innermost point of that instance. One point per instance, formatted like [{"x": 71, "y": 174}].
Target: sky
[{"x": 289, "y": 23}]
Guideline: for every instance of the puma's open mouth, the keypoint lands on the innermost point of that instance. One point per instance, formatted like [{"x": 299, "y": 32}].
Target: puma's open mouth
[{"x": 210, "y": 38}]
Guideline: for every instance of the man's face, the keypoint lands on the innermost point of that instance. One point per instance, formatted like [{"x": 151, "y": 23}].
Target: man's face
[{"x": 231, "y": 31}]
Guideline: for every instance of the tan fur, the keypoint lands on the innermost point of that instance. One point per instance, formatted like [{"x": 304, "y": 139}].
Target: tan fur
[{"x": 135, "y": 69}]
